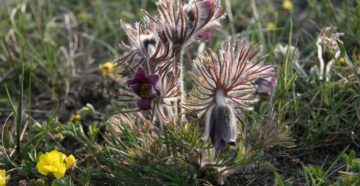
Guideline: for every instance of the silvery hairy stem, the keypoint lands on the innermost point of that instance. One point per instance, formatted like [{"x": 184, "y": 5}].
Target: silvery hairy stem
[{"x": 180, "y": 69}]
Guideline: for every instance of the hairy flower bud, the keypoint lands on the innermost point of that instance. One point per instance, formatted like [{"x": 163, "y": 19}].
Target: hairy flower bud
[
  {"x": 221, "y": 126},
  {"x": 148, "y": 43},
  {"x": 328, "y": 50}
]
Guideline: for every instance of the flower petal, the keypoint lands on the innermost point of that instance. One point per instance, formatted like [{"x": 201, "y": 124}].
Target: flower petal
[
  {"x": 209, "y": 126},
  {"x": 224, "y": 129},
  {"x": 153, "y": 79},
  {"x": 266, "y": 84},
  {"x": 144, "y": 104},
  {"x": 70, "y": 161},
  {"x": 59, "y": 172},
  {"x": 134, "y": 86},
  {"x": 207, "y": 4},
  {"x": 205, "y": 35},
  {"x": 219, "y": 144},
  {"x": 140, "y": 75}
]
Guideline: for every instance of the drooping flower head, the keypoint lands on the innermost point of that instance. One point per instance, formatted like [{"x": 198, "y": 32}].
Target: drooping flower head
[
  {"x": 231, "y": 73},
  {"x": 182, "y": 22},
  {"x": 209, "y": 15},
  {"x": 221, "y": 127},
  {"x": 328, "y": 50},
  {"x": 225, "y": 81},
  {"x": 55, "y": 163},
  {"x": 143, "y": 85},
  {"x": 147, "y": 45}
]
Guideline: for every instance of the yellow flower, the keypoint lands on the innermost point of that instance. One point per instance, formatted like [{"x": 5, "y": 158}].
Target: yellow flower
[
  {"x": 270, "y": 26},
  {"x": 357, "y": 59},
  {"x": 288, "y": 5},
  {"x": 106, "y": 68},
  {"x": 74, "y": 118},
  {"x": 2, "y": 177},
  {"x": 342, "y": 61},
  {"x": 70, "y": 161},
  {"x": 83, "y": 16},
  {"x": 55, "y": 163}
]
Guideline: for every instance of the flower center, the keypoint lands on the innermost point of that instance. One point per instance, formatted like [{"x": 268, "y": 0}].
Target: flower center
[{"x": 145, "y": 90}]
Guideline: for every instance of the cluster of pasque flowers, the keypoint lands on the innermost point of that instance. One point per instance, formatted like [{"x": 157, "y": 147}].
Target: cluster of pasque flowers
[
  {"x": 223, "y": 82},
  {"x": 153, "y": 55}
]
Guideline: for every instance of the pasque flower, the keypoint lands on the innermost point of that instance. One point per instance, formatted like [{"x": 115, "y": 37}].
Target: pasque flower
[
  {"x": 209, "y": 15},
  {"x": 143, "y": 85},
  {"x": 225, "y": 81},
  {"x": 154, "y": 92},
  {"x": 182, "y": 22},
  {"x": 147, "y": 46},
  {"x": 221, "y": 125},
  {"x": 328, "y": 50},
  {"x": 55, "y": 163}
]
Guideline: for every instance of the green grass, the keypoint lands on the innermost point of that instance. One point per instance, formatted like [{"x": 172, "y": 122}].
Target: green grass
[{"x": 306, "y": 133}]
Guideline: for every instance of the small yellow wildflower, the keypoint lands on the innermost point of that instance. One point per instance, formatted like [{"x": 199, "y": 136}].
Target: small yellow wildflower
[
  {"x": 270, "y": 26},
  {"x": 357, "y": 59},
  {"x": 2, "y": 177},
  {"x": 288, "y": 5},
  {"x": 74, "y": 118},
  {"x": 106, "y": 68},
  {"x": 55, "y": 163},
  {"x": 83, "y": 16},
  {"x": 342, "y": 61}
]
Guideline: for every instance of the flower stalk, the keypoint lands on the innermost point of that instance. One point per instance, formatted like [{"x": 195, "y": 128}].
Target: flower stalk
[{"x": 180, "y": 70}]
